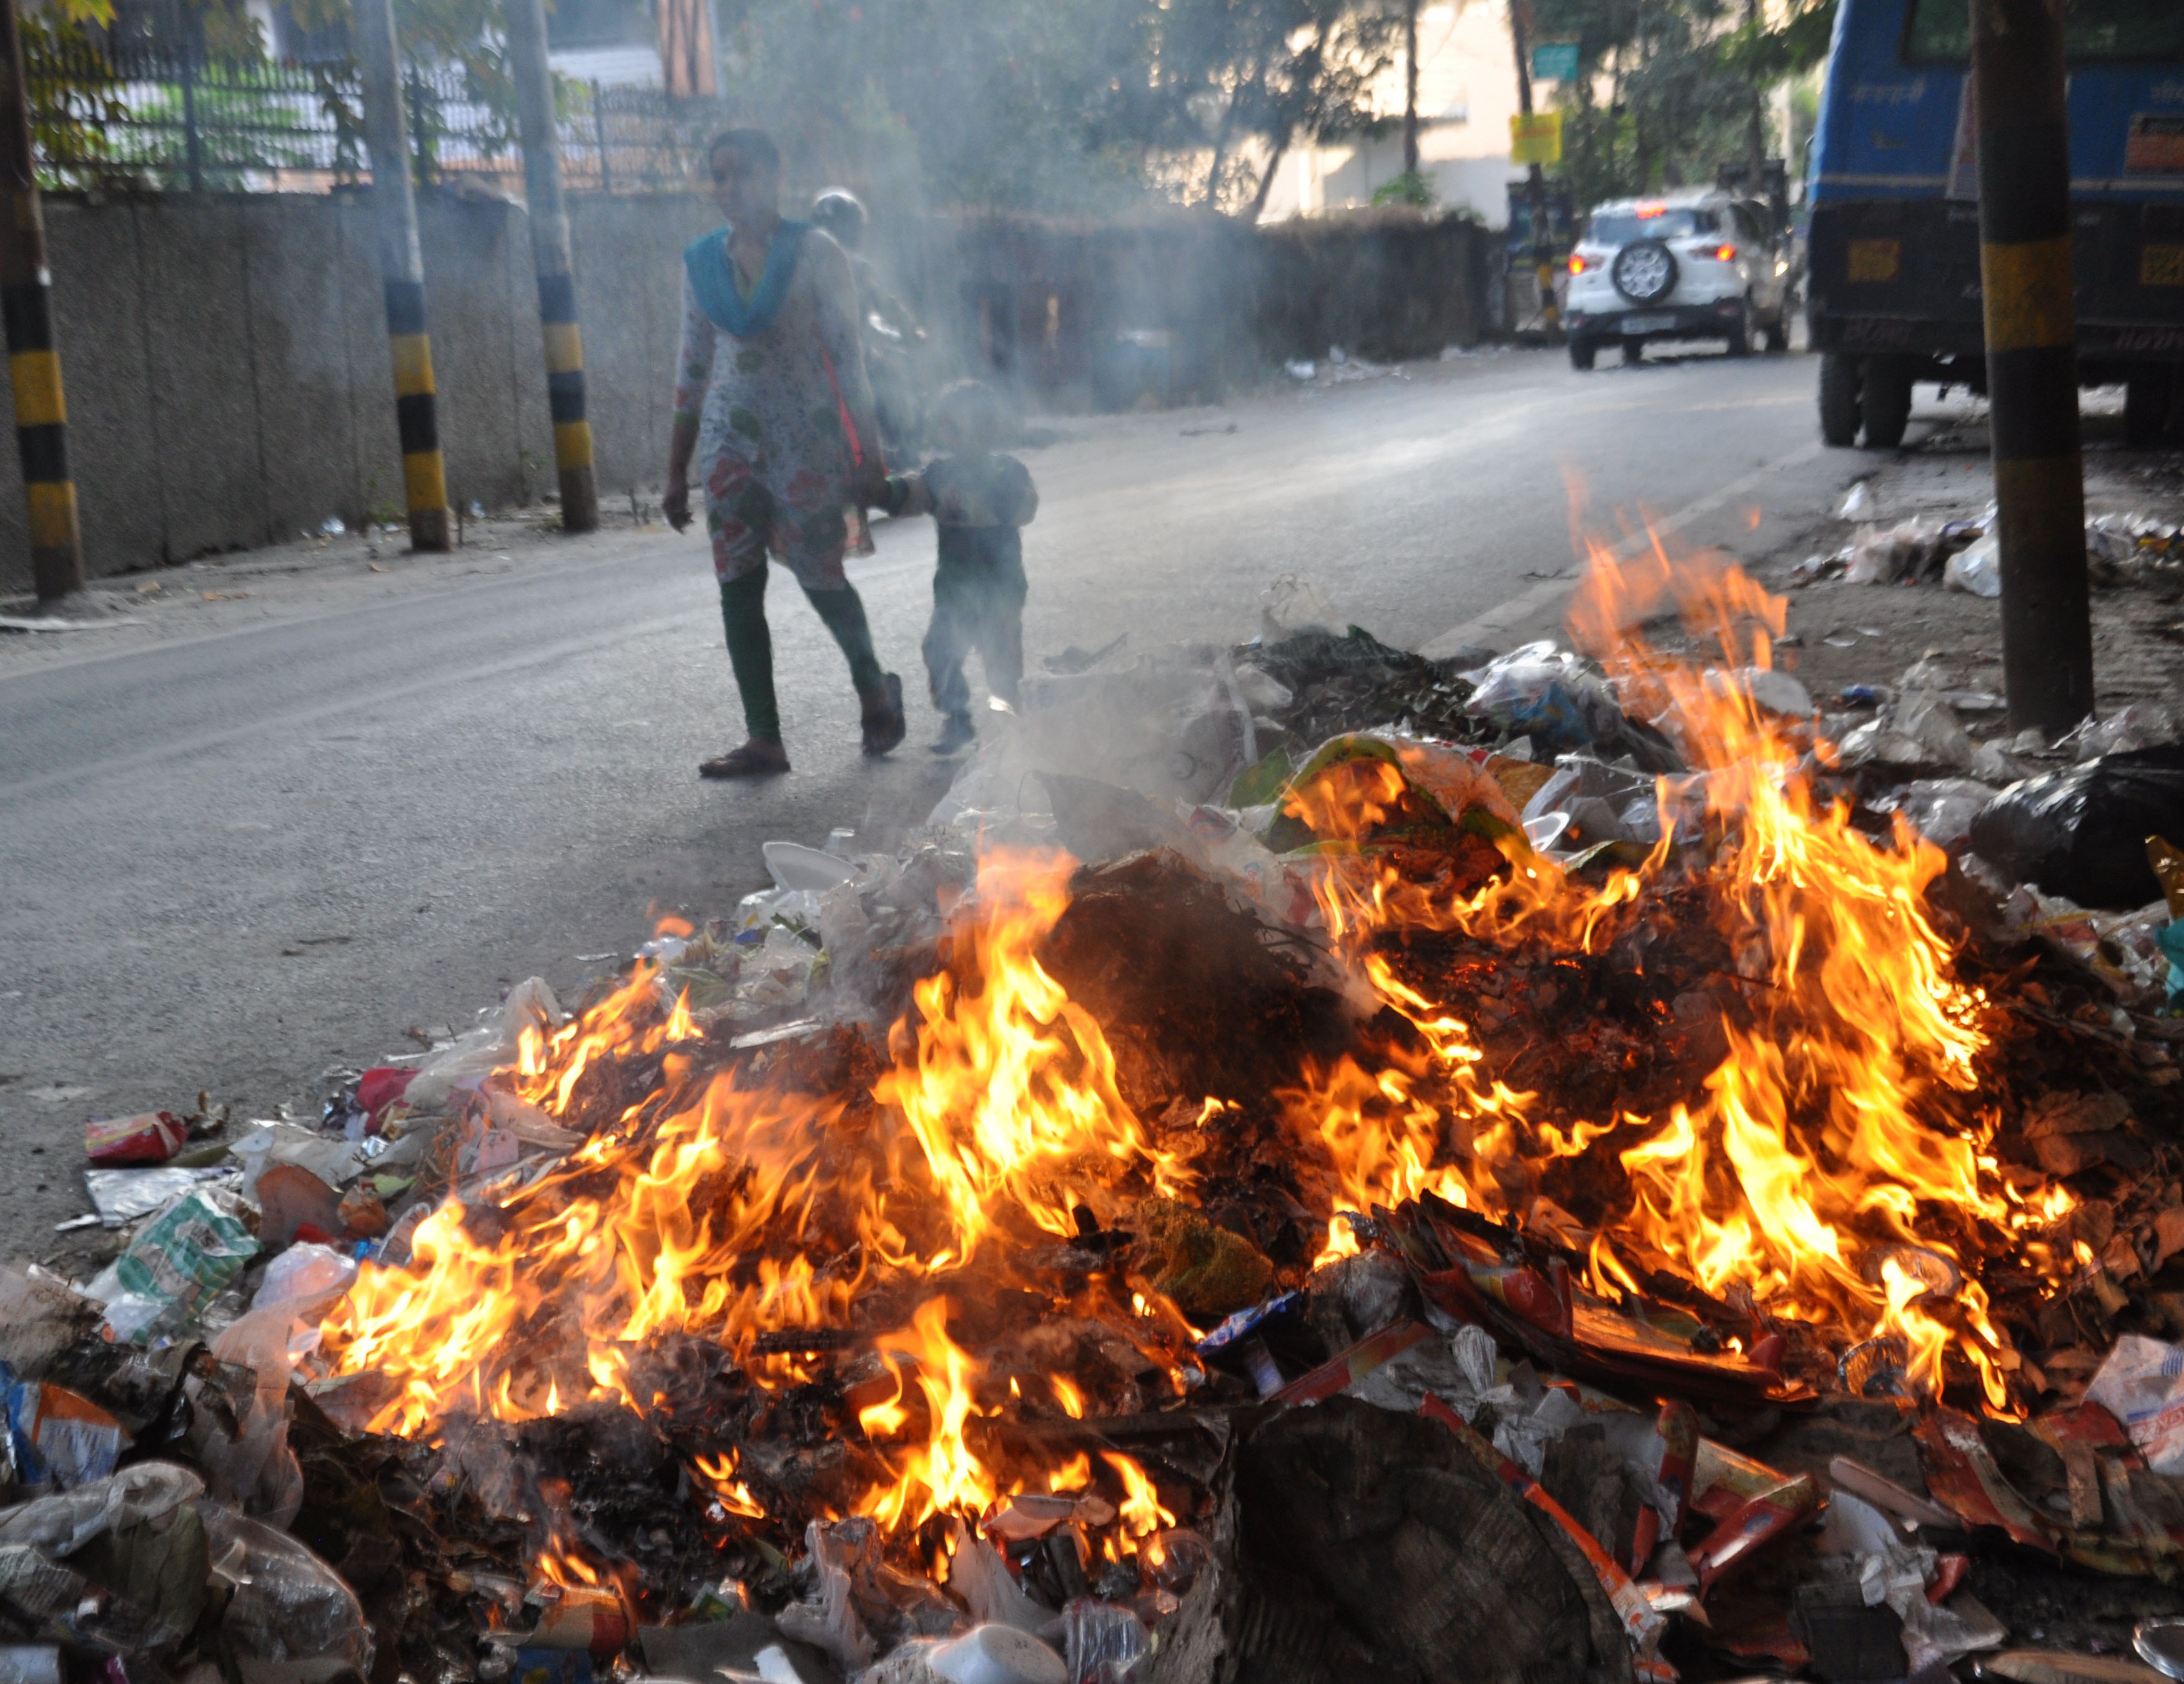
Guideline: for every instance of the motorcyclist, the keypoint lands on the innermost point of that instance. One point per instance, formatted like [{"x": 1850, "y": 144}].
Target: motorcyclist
[{"x": 892, "y": 330}]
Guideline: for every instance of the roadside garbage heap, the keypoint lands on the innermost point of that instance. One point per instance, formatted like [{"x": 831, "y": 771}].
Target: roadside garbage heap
[
  {"x": 1362, "y": 1337},
  {"x": 1964, "y": 553}
]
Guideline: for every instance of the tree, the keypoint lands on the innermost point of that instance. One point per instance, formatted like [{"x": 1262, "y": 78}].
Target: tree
[{"x": 1675, "y": 109}]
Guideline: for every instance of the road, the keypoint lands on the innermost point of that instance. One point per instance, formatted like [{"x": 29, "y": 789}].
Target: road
[{"x": 249, "y": 847}]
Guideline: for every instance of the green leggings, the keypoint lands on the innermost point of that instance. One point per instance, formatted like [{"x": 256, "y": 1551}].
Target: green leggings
[{"x": 750, "y": 645}]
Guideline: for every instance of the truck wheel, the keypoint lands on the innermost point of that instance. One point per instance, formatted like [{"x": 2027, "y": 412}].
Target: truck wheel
[
  {"x": 1776, "y": 335},
  {"x": 1582, "y": 352},
  {"x": 1839, "y": 399},
  {"x": 1885, "y": 402},
  {"x": 2146, "y": 398}
]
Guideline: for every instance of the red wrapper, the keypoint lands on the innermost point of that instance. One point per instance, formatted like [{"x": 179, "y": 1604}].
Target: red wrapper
[
  {"x": 125, "y": 1142},
  {"x": 380, "y": 1087}
]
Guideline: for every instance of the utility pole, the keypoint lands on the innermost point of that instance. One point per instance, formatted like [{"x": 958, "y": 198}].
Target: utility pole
[
  {"x": 1410, "y": 88},
  {"x": 549, "y": 255},
  {"x": 33, "y": 362},
  {"x": 2032, "y": 360},
  {"x": 1755, "y": 142},
  {"x": 1542, "y": 248},
  {"x": 401, "y": 271}
]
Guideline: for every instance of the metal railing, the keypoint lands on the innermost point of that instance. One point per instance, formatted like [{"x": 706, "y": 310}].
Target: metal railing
[{"x": 170, "y": 122}]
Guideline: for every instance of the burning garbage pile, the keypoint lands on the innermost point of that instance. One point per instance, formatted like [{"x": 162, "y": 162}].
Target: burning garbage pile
[{"x": 1559, "y": 1185}]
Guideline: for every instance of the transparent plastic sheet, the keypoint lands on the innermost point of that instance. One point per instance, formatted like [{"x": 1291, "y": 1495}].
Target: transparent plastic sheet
[
  {"x": 286, "y": 1603},
  {"x": 1103, "y": 1643},
  {"x": 64, "y": 1523},
  {"x": 256, "y": 1471}
]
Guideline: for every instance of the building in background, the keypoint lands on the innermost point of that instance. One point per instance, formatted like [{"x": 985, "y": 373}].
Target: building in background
[{"x": 1466, "y": 95}]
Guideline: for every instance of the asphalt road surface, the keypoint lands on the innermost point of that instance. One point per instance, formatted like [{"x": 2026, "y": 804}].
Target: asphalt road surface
[{"x": 254, "y": 843}]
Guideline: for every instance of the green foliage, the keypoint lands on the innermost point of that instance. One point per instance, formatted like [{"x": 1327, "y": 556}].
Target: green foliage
[
  {"x": 1408, "y": 188},
  {"x": 1668, "y": 87}
]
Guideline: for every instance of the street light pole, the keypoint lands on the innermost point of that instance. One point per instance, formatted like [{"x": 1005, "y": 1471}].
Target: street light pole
[
  {"x": 33, "y": 362},
  {"x": 402, "y": 271},
  {"x": 549, "y": 254},
  {"x": 2032, "y": 360}
]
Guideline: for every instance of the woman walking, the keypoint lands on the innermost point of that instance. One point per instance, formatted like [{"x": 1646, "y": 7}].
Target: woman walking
[{"x": 771, "y": 396}]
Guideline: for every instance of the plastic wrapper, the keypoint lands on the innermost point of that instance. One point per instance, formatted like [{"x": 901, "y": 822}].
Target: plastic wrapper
[
  {"x": 59, "y": 1437},
  {"x": 333, "y": 1160},
  {"x": 121, "y": 1196},
  {"x": 828, "y": 1618},
  {"x": 190, "y": 1253},
  {"x": 62, "y": 1523},
  {"x": 1751, "y": 1504},
  {"x": 286, "y": 1603},
  {"x": 2142, "y": 1385},
  {"x": 2081, "y": 832},
  {"x": 1546, "y": 692},
  {"x": 131, "y": 1142}
]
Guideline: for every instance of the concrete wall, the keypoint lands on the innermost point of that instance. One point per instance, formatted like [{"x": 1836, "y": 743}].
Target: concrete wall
[
  {"x": 227, "y": 374},
  {"x": 228, "y": 382}
]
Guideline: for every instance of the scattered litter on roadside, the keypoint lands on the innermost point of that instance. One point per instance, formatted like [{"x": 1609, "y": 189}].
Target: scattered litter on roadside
[{"x": 1680, "y": 1183}]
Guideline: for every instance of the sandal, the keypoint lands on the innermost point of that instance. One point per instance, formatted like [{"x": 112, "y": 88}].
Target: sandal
[
  {"x": 755, "y": 759},
  {"x": 884, "y": 724}
]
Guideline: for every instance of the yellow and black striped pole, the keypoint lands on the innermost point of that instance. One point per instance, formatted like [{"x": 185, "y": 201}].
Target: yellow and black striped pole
[
  {"x": 2032, "y": 360},
  {"x": 549, "y": 252},
  {"x": 402, "y": 270},
  {"x": 33, "y": 362}
]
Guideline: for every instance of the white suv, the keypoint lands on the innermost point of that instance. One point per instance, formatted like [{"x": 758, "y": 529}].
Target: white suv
[{"x": 1697, "y": 264}]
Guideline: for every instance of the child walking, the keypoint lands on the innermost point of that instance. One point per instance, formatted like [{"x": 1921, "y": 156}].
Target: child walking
[{"x": 979, "y": 498}]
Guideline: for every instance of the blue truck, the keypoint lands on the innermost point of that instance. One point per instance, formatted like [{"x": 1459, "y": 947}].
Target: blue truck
[{"x": 1892, "y": 272}]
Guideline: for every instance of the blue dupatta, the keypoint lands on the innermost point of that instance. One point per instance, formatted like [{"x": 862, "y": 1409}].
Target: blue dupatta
[{"x": 705, "y": 261}]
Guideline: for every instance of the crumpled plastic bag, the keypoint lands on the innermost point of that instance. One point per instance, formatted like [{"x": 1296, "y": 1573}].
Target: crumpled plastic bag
[
  {"x": 530, "y": 1005},
  {"x": 287, "y": 1604},
  {"x": 2081, "y": 832},
  {"x": 2142, "y": 1385},
  {"x": 2143, "y": 725},
  {"x": 62, "y": 1523},
  {"x": 1976, "y": 570},
  {"x": 1544, "y": 692},
  {"x": 1941, "y": 809},
  {"x": 1920, "y": 729},
  {"x": 828, "y": 1619},
  {"x": 257, "y": 1471}
]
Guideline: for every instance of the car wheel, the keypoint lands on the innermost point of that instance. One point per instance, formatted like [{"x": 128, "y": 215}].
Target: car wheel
[
  {"x": 1839, "y": 399},
  {"x": 1776, "y": 337},
  {"x": 1885, "y": 402},
  {"x": 2146, "y": 397},
  {"x": 1740, "y": 331},
  {"x": 1582, "y": 352},
  {"x": 1634, "y": 351}
]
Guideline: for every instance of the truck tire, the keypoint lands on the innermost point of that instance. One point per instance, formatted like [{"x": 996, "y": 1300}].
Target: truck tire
[
  {"x": 1582, "y": 352},
  {"x": 1885, "y": 402},
  {"x": 1775, "y": 337},
  {"x": 1839, "y": 396},
  {"x": 2147, "y": 395}
]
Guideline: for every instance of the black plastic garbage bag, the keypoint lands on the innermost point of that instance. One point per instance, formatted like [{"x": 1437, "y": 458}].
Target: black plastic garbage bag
[{"x": 2081, "y": 832}]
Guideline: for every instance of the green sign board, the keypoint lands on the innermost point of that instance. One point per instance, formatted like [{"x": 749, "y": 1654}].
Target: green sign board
[{"x": 1555, "y": 61}]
